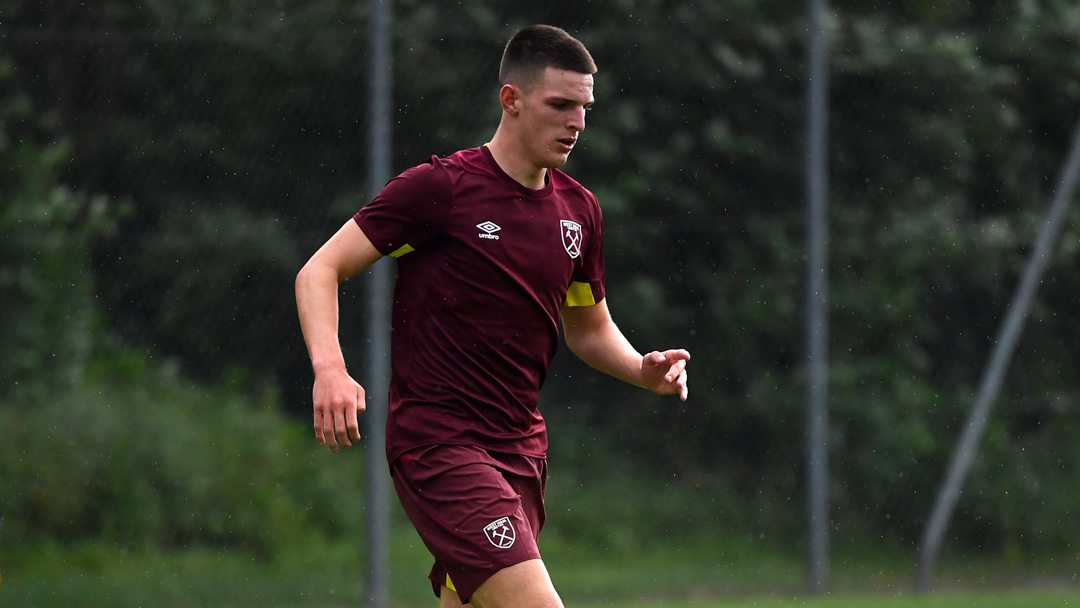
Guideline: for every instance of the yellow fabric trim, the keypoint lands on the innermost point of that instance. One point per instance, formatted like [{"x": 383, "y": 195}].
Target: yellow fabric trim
[
  {"x": 579, "y": 294},
  {"x": 450, "y": 584},
  {"x": 400, "y": 251}
]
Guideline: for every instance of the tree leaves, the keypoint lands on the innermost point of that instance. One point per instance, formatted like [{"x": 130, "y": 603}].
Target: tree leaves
[{"x": 237, "y": 132}]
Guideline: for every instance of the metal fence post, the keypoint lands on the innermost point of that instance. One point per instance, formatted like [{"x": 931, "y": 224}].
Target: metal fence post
[
  {"x": 989, "y": 385},
  {"x": 817, "y": 300},
  {"x": 379, "y": 301}
]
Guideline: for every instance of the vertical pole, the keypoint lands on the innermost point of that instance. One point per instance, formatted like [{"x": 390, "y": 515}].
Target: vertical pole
[
  {"x": 817, "y": 302},
  {"x": 379, "y": 300},
  {"x": 989, "y": 385}
]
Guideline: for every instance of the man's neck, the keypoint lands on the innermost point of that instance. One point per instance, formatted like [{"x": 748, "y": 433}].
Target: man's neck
[{"x": 508, "y": 156}]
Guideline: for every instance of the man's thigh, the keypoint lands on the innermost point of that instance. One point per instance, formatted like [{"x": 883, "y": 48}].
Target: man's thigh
[
  {"x": 523, "y": 585},
  {"x": 449, "y": 599}
]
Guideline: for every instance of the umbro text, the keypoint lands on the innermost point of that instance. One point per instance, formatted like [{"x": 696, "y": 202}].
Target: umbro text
[{"x": 489, "y": 228}]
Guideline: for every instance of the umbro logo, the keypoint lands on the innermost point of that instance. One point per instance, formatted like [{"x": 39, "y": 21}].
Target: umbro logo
[{"x": 489, "y": 229}]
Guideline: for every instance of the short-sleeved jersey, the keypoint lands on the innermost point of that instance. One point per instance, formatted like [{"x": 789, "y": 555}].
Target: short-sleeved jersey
[{"x": 484, "y": 267}]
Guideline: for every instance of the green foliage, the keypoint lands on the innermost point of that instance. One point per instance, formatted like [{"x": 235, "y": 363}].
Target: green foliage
[
  {"x": 46, "y": 232},
  {"x": 236, "y": 131},
  {"x": 49, "y": 306},
  {"x": 137, "y": 456},
  {"x": 105, "y": 443},
  {"x": 926, "y": 255}
]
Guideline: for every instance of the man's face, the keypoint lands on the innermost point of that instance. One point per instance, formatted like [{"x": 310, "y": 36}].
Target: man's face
[{"x": 553, "y": 114}]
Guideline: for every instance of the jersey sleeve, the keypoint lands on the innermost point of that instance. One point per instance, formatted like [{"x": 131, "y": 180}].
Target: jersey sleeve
[
  {"x": 587, "y": 284},
  {"x": 409, "y": 211}
]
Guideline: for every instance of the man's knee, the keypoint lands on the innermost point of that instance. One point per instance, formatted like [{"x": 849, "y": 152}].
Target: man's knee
[{"x": 524, "y": 585}]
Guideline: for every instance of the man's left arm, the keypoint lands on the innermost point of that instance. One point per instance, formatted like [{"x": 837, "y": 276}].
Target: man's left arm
[{"x": 593, "y": 336}]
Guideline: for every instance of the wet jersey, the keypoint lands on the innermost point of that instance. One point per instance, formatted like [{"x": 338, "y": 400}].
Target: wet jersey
[{"x": 484, "y": 267}]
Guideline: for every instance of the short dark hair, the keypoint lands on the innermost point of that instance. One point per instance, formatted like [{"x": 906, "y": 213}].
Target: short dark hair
[{"x": 536, "y": 47}]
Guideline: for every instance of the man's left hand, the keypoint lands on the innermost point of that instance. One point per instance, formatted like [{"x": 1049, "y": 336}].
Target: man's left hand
[{"x": 664, "y": 373}]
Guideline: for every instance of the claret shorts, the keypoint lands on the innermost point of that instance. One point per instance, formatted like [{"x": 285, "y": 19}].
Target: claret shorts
[{"x": 476, "y": 511}]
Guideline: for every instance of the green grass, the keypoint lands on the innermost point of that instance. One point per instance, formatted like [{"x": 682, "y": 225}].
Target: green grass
[
  {"x": 332, "y": 576},
  {"x": 955, "y": 599}
]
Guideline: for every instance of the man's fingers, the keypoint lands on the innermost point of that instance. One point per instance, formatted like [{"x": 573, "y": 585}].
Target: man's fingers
[
  {"x": 672, "y": 365},
  {"x": 324, "y": 429},
  {"x": 342, "y": 432},
  {"x": 341, "y": 426},
  {"x": 676, "y": 369},
  {"x": 336, "y": 402},
  {"x": 320, "y": 432},
  {"x": 351, "y": 420},
  {"x": 353, "y": 426},
  {"x": 678, "y": 354}
]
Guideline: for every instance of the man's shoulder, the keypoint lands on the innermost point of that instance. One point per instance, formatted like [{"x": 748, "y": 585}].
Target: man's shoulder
[
  {"x": 568, "y": 186},
  {"x": 440, "y": 172},
  {"x": 445, "y": 171},
  {"x": 469, "y": 160}
]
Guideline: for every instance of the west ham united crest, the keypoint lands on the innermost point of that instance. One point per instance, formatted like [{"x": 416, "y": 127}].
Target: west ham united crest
[
  {"x": 501, "y": 533},
  {"x": 571, "y": 237}
]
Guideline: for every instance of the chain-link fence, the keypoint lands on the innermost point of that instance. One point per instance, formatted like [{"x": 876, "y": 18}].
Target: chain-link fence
[{"x": 231, "y": 140}]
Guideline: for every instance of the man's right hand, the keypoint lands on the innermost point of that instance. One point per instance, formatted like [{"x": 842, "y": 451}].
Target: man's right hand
[{"x": 337, "y": 400}]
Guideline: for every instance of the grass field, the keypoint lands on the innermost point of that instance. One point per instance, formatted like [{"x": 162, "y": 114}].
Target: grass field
[
  {"x": 332, "y": 577},
  {"x": 955, "y": 599}
]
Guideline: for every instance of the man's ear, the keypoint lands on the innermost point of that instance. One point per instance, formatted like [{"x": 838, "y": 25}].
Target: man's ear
[{"x": 510, "y": 99}]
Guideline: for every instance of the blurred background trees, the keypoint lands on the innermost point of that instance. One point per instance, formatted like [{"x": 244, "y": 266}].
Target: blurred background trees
[{"x": 167, "y": 167}]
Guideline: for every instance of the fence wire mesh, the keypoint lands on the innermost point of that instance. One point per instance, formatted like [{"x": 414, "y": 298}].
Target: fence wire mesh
[{"x": 229, "y": 139}]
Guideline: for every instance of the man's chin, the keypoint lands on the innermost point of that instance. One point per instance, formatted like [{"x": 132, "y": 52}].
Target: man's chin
[{"x": 558, "y": 161}]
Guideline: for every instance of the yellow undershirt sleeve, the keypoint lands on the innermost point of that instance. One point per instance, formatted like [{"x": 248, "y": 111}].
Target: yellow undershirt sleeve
[
  {"x": 580, "y": 294},
  {"x": 400, "y": 251}
]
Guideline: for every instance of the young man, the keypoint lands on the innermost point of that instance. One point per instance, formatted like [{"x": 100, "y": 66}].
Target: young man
[{"x": 493, "y": 245}]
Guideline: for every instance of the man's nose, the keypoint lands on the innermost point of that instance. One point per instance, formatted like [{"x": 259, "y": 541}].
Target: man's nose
[{"x": 577, "y": 120}]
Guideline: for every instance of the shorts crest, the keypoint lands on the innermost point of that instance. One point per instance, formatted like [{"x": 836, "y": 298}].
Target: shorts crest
[{"x": 501, "y": 533}]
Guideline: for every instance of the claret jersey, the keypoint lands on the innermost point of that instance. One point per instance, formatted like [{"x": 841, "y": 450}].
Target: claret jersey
[{"x": 484, "y": 266}]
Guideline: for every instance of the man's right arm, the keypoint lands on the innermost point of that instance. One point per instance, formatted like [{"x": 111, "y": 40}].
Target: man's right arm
[{"x": 337, "y": 398}]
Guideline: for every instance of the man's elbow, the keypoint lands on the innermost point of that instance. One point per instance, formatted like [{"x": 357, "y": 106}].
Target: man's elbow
[
  {"x": 573, "y": 345},
  {"x": 312, "y": 273},
  {"x": 303, "y": 276},
  {"x": 578, "y": 343}
]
